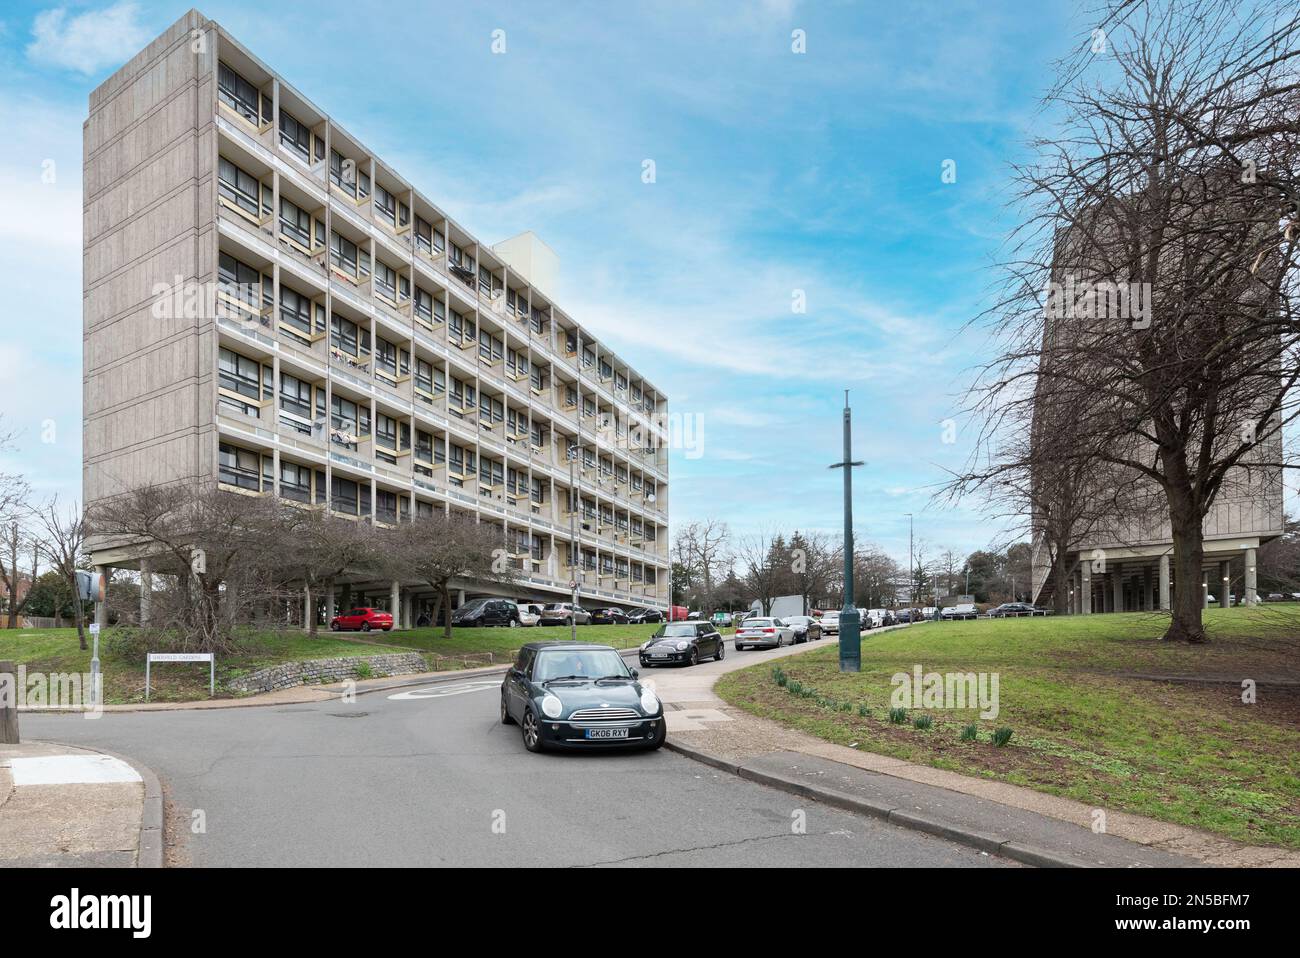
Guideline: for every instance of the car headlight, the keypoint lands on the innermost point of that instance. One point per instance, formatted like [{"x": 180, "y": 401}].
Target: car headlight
[
  {"x": 649, "y": 702},
  {"x": 552, "y": 707},
  {"x": 681, "y": 646}
]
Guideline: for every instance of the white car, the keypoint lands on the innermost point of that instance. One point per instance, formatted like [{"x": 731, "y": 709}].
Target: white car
[
  {"x": 830, "y": 623},
  {"x": 530, "y": 613},
  {"x": 929, "y": 612},
  {"x": 763, "y": 632},
  {"x": 963, "y": 610}
]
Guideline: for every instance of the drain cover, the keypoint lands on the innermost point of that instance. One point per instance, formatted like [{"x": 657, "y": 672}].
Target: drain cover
[{"x": 348, "y": 714}]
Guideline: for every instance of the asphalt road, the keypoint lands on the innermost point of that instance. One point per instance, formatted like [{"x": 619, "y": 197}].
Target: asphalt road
[{"x": 429, "y": 776}]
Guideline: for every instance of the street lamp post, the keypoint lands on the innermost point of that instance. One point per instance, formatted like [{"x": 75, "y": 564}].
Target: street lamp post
[
  {"x": 911, "y": 565},
  {"x": 850, "y": 624}
]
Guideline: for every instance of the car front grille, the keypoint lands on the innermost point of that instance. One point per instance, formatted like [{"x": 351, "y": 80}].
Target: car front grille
[{"x": 604, "y": 715}]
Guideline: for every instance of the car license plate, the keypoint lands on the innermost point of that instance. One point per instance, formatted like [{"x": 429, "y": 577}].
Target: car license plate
[
  {"x": 606, "y": 733},
  {"x": 658, "y": 655}
]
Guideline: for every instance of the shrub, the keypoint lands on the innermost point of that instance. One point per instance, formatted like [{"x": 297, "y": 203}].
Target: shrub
[
  {"x": 923, "y": 722},
  {"x": 864, "y": 712},
  {"x": 1002, "y": 736},
  {"x": 898, "y": 716},
  {"x": 970, "y": 733},
  {"x": 779, "y": 677}
]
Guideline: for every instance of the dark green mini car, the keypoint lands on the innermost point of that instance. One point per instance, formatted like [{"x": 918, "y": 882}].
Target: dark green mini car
[{"x": 579, "y": 695}]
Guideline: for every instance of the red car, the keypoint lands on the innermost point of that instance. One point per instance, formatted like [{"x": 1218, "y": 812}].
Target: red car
[{"x": 363, "y": 620}]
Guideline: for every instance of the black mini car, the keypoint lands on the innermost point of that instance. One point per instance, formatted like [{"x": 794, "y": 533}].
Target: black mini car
[
  {"x": 608, "y": 617},
  {"x": 638, "y": 616},
  {"x": 579, "y": 695},
  {"x": 683, "y": 643}
]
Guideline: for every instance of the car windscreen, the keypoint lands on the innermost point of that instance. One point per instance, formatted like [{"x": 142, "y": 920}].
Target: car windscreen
[
  {"x": 583, "y": 663},
  {"x": 675, "y": 632},
  {"x": 758, "y": 623},
  {"x": 473, "y": 604},
  {"x": 555, "y": 607}
]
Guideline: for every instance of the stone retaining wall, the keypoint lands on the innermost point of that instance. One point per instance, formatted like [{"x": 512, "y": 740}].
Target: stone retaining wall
[{"x": 288, "y": 674}]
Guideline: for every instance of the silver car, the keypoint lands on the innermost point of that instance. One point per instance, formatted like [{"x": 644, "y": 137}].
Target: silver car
[
  {"x": 763, "y": 633},
  {"x": 564, "y": 613}
]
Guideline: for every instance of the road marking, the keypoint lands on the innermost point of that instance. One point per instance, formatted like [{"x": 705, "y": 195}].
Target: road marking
[
  {"x": 70, "y": 770},
  {"x": 442, "y": 691}
]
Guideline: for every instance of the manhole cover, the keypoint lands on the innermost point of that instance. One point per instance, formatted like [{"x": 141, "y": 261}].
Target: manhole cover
[{"x": 348, "y": 714}]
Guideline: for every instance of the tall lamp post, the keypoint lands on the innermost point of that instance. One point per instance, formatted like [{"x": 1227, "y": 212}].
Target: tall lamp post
[
  {"x": 850, "y": 624},
  {"x": 911, "y": 565}
]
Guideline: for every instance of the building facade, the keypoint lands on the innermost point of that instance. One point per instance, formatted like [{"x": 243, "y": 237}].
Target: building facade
[{"x": 270, "y": 307}]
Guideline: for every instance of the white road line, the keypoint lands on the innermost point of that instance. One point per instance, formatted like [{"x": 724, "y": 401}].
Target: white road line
[{"x": 442, "y": 691}]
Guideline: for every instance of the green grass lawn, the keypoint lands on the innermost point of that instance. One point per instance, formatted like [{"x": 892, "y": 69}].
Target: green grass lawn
[
  {"x": 1084, "y": 724},
  {"x": 55, "y": 650}
]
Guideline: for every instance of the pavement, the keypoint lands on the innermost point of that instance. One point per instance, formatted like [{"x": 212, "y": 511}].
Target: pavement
[{"x": 64, "y": 806}]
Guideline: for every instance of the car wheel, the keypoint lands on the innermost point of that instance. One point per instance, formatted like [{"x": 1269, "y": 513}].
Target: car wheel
[
  {"x": 568, "y": 621},
  {"x": 661, "y": 733},
  {"x": 505, "y": 713},
  {"x": 334, "y": 626},
  {"x": 532, "y": 732},
  {"x": 722, "y": 651},
  {"x": 365, "y": 626},
  {"x": 694, "y": 658},
  {"x": 739, "y": 647},
  {"x": 514, "y": 623}
]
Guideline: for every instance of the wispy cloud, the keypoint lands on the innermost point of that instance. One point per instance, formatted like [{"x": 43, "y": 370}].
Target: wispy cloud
[{"x": 87, "y": 42}]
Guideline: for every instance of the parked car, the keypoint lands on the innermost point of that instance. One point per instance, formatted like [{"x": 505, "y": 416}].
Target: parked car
[
  {"x": 565, "y": 613},
  {"x": 962, "y": 610},
  {"x": 1014, "y": 609},
  {"x": 879, "y": 618},
  {"x": 530, "y": 613},
  {"x": 720, "y": 619},
  {"x": 638, "y": 616},
  {"x": 579, "y": 695},
  {"x": 830, "y": 622},
  {"x": 930, "y": 612},
  {"x": 682, "y": 643},
  {"x": 806, "y": 628},
  {"x": 487, "y": 612},
  {"x": 764, "y": 633},
  {"x": 362, "y": 620},
  {"x": 610, "y": 616}
]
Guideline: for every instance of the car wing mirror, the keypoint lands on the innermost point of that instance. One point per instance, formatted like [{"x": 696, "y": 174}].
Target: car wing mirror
[{"x": 635, "y": 673}]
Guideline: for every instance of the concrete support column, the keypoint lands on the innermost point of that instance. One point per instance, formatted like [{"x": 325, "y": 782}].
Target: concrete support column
[
  {"x": 1225, "y": 583},
  {"x": 1085, "y": 591},
  {"x": 101, "y": 608},
  {"x": 395, "y": 604},
  {"x": 1252, "y": 586},
  {"x": 146, "y": 590},
  {"x": 1205, "y": 589},
  {"x": 1146, "y": 589},
  {"x": 331, "y": 609},
  {"x": 460, "y": 598},
  {"x": 306, "y": 607},
  {"x": 1117, "y": 589},
  {"x": 408, "y": 620},
  {"x": 1165, "y": 604}
]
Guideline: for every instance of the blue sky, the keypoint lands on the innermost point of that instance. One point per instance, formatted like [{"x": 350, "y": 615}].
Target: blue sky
[{"x": 775, "y": 171}]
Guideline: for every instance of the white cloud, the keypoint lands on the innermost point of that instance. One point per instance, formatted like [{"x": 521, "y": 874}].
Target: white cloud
[{"x": 87, "y": 42}]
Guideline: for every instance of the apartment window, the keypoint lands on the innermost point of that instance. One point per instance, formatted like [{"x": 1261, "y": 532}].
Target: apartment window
[
  {"x": 295, "y": 481},
  {"x": 295, "y": 222},
  {"x": 462, "y": 394},
  {"x": 386, "y": 204},
  {"x": 606, "y": 370},
  {"x": 489, "y": 347},
  {"x": 423, "y": 446},
  {"x": 538, "y": 435},
  {"x": 343, "y": 173},
  {"x": 344, "y": 254},
  {"x": 461, "y": 462},
  {"x": 386, "y": 281},
  {"x": 490, "y": 410},
  {"x": 424, "y": 375},
  {"x": 536, "y": 378},
  {"x": 385, "y": 437},
  {"x": 295, "y": 136},
  {"x": 349, "y": 421},
  {"x": 620, "y": 382},
  {"x": 516, "y": 422},
  {"x": 538, "y": 491},
  {"x": 461, "y": 328},
  {"x": 242, "y": 377},
  {"x": 244, "y": 468},
  {"x": 517, "y": 363},
  {"x": 539, "y": 319},
  {"x": 349, "y": 338},
  {"x": 240, "y": 95},
  {"x": 588, "y": 358},
  {"x": 296, "y": 311},
  {"x": 588, "y": 406},
  {"x": 345, "y": 496},
  {"x": 385, "y": 506},
  {"x": 427, "y": 309},
  {"x": 636, "y": 483},
  {"x": 423, "y": 235},
  {"x": 490, "y": 472},
  {"x": 240, "y": 187},
  {"x": 296, "y": 401},
  {"x": 244, "y": 283}
]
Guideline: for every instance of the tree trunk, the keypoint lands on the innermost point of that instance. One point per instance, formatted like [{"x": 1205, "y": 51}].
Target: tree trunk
[
  {"x": 312, "y": 626},
  {"x": 437, "y": 607},
  {"x": 1061, "y": 583},
  {"x": 446, "y": 598},
  {"x": 81, "y": 630},
  {"x": 1189, "y": 557}
]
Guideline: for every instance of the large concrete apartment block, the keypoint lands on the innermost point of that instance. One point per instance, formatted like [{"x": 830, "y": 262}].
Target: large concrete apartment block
[{"x": 271, "y": 308}]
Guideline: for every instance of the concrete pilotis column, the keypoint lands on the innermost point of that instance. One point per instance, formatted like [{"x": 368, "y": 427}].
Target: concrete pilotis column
[
  {"x": 1117, "y": 589},
  {"x": 1252, "y": 585},
  {"x": 460, "y": 598},
  {"x": 1225, "y": 583},
  {"x": 395, "y": 604},
  {"x": 1146, "y": 589},
  {"x": 146, "y": 590},
  {"x": 1205, "y": 589},
  {"x": 306, "y": 607},
  {"x": 408, "y": 620},
  {"x": 1085, "y": 591},
  {"x": 1165, "y": 603},
  {"x": 331, "y": 609}
]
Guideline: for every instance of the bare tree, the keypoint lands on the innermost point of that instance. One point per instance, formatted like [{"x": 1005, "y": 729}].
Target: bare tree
[
  {"x": 1150, "y": 293},
  {"x": 439, "y": 549},
  {"x": 228, "y": 560},
  {"x": 327, "y": 547},
  {"x": 63, "y": 544},
  {"x": 701, "y": 548},
  {"x": 814, "y": 564},
  {"x": 764, "y": 561}
]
